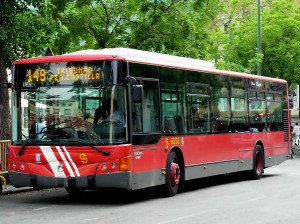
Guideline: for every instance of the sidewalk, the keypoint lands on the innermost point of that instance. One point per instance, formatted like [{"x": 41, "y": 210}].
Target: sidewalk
[
  {"x": 297, "y": 151},
  {"x": 10, "y": 189}
]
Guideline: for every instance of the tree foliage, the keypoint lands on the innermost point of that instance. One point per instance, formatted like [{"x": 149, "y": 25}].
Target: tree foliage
[
  {"x": 25, "y": 30},
  {"x": 169, "y": 26},
  {"x": 224, "y": 31},
  {"x": 279, "y": 37}
]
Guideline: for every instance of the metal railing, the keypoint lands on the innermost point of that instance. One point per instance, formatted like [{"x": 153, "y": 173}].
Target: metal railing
[{"x": 3, "y": 160}]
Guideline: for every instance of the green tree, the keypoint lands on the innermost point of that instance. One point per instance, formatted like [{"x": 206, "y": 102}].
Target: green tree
[
  {"x": 25, "y": 30},
  {"x": 281, "y": 47},
  {"x": 170, "y": 26},
  {"x": 236, "y": 40}
]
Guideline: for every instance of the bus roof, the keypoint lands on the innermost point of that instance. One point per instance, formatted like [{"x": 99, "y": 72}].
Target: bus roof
[{"x": 142, "y": 57}]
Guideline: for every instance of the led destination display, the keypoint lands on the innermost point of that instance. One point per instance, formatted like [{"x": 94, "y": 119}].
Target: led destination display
[{"x": 64, "y": 73}]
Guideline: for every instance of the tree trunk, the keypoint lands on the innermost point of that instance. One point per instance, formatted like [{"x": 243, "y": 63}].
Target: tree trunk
[
  {"x": 4, "y": 99},
  {"x": 5, "y": 132}
]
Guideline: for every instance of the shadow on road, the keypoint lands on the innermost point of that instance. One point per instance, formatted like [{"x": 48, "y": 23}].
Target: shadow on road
[
  {"x": 208, "y": 182},
  {"x": 120, "y": 197}
]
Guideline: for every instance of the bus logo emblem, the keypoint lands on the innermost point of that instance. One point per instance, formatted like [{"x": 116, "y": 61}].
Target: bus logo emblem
[{"x": 83, "y": 158}]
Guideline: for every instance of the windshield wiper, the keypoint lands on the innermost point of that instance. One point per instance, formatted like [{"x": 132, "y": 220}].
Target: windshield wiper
[
  {"x": 57, "y": 129},
  {"x": 92, "y": 146},
  {"x": 35, "y": 134},
  {"x": 27, "y": 140}
]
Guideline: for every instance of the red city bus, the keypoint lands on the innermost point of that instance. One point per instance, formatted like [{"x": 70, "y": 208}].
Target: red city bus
[{"x": 131, "y": 119}]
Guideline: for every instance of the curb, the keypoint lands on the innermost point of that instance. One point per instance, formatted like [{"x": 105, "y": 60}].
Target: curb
[{"x": 11, "y": 190}]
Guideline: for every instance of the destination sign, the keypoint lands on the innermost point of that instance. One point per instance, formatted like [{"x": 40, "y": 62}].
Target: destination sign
[{"x": 64, "y": 73}]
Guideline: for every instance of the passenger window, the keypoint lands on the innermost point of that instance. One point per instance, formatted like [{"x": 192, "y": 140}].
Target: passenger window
[
  {"x": 172, "y": 109},
  {"x": 257, "y": 115},
  {"x": 198, "y": 114},
  {"x": 220, "y": 110},
  {"x": 274, "y": 115},
  {"x": 238, "y": 110}
]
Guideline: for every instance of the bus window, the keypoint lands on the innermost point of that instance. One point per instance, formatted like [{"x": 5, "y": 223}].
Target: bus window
[
  {"x": 172, "y": 109},
  {"x": 238, "y": 110},
  {"x": 257, "y": 114},
  {"x": 220, "y": 105},
  {"x": 274, "y": 117},
  {"x": 198, "y": 114},
  {"x": 198, "y": 108}
]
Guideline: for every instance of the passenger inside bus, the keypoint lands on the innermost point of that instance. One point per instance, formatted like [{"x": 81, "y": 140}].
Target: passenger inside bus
[{"x": 40, "y": 128}]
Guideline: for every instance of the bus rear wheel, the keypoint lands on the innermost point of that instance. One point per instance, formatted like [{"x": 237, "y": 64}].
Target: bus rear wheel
[
  {"x": 172, "y": 174},
  {"x": 258, "y": 163}
]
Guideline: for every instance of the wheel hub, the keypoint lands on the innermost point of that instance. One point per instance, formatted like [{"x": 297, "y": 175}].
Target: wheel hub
[
  {"x": 174, "y": 174},
  {"x": 258, "y": 163}
]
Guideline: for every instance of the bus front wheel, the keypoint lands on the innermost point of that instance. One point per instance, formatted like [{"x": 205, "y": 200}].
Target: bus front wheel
[{"x": 172, "y": 174}]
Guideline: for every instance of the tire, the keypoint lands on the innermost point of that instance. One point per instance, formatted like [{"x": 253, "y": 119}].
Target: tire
[
  {"x": 173, "y": 176},
  {"x": 74, "y": 191},
  {"x": 258, "y": 163},
  {"x": 1, "y": 187}
]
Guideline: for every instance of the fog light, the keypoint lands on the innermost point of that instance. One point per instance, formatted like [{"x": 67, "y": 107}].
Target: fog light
[
  {"x": 14, "y": 165},
  {"x": 22, "y": 166},
  {"x": 114, "y": 165}
]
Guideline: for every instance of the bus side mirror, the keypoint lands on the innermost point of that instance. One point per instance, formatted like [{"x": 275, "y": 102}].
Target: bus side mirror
[
  {"x": 130, "y": 79},
  {"x": 137, "y": 93}
]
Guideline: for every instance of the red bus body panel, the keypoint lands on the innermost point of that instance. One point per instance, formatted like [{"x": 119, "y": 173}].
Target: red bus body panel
[{"x": 215, "y": 151}]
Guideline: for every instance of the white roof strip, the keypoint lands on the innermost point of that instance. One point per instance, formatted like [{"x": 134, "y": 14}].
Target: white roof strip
[
  {"x": 147, "y": 57},
  {"x": 165, "y": 60}
]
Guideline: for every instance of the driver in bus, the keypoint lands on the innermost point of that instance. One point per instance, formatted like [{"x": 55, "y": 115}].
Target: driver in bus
[
  {"x": 101, "y": 112},
  {"x": 116, "y": 117}
]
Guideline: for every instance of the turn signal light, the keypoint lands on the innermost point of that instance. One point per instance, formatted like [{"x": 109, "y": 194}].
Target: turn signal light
[{"x": 125, "y": 163}]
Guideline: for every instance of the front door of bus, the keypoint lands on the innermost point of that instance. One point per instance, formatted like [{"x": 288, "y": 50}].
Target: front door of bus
[{"x": 146, "y": 114}]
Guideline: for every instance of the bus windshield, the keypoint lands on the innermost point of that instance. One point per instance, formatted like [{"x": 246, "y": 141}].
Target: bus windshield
[{"x": 70, "y": 115}]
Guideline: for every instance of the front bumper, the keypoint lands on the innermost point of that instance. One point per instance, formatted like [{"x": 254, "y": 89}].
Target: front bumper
[{"x": 113, "y": 180}]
